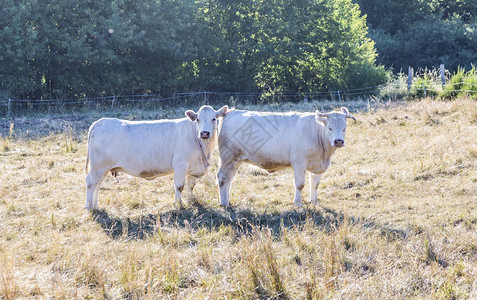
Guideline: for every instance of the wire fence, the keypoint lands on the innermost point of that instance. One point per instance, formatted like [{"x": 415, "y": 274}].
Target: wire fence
[{"x": 389, "y": 91}]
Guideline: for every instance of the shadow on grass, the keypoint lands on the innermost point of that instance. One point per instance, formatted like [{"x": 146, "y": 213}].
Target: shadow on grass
[{"x": 243, "y": 222}]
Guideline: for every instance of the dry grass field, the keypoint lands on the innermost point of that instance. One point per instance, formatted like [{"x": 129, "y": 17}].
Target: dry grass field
[{"x": 397, "y": 217}]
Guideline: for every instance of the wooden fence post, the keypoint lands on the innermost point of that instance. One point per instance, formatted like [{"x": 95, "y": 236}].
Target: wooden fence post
[
  {"x": 9, "y": 110},
  {"x": 339, "y": 96},
  {"x": 409, "y": 78},
  {"x": 443, "y": 75}
]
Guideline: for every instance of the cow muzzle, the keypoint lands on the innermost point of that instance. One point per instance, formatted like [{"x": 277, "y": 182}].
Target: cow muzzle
[
  {"x": 338, "y": 143},
  {"x": 204, "y": 135}
]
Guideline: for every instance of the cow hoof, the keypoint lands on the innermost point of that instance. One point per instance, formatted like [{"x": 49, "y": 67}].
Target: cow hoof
[
  {"x": 91, "y": 209},
  {"x": 298, "y": 204},
  {"x": 226, "y": 207}
]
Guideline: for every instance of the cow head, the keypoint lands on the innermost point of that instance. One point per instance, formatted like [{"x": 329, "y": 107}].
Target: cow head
[
  {"x": 334, "y": 126},
  {"x": 206, "y": 120}
]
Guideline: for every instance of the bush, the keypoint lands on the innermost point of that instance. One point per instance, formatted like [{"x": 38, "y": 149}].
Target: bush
[
  {"x": 426, "y": 84},
  {"x": 461, "y": 84},
  {"x": 429, "y": 42},
  {"x": 470, "y": 84}
]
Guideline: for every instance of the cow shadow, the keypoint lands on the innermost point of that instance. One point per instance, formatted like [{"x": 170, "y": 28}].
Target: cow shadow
[{"x": 242, "y": 221}]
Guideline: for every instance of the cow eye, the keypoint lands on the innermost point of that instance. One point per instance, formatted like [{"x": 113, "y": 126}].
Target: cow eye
[
  {"x": 330, "y": 129},
  {"x": 344, "y": 130},
  {"x": 213, "y": 120},
  {"x": 198, "y": 120}
]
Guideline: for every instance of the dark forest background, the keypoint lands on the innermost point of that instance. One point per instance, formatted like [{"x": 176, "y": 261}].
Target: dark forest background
[{"x": 84, "y": 48}]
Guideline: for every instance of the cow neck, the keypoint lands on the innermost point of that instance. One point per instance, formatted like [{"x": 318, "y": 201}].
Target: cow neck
[
  {"x": 326, "y": 148},
  {"x": 205, "y": 148},
  {"x": 205, "y": 152}
]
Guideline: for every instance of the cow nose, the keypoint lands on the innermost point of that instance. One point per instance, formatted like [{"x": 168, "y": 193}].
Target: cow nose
[
  {"x": 205, "y": 134},
  {"x": 339, "y": 143}
]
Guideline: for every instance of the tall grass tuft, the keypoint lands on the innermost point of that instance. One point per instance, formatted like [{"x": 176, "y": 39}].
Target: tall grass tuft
[
  {"x": 312, "y": 288},
  {"x": 7, "y": 283},
  {"x": 334, "y": 259},
  {"x": 263, "y": 269},
  {"x": 461, "y": 84},
  {"x": 425, "y": 84},
  {"x": 68, "y": 137},
  {"x": 271, "y": 260},
  {"x": 470, "y": 84},
  {"x": 250, "y": 257}
]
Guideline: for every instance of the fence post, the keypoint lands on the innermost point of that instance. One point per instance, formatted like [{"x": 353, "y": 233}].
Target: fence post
[
  {"x": 112, "y": 102},
  {"x": 9, "y": 108},
  {"x": 409, "y": 78},
  {"x": 339, "y": 96},
  {"x": 424, "y": 88},
  {"x": 205, "y": 98},
  {"x": 443, "y": 75},
  {"x": 305, "y": 100}
]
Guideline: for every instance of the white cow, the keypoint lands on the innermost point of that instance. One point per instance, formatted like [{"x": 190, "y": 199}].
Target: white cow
[
  {"x": 149, "y": 149},
  {"x": 275, "y": 141}
]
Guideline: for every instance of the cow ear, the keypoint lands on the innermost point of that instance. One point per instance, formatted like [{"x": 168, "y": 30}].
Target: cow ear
[
  {"x": 321, "y": 118},
  {"x": 191, "y": 115},
  {"x": 222, "y": 112},
  {"x": 346, "y": 112}
]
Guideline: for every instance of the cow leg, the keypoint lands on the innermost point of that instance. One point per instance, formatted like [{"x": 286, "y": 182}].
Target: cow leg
[
  {"x": 93, "y": 182},
  {"x": 180, "y": 173},
  {"x": 96, "y": 191},
  {"x": 314, "y": 182},
  {"x": 299, "y": 172},
  {"x": 190, "y": 183},
  {"x": 225, "y": 177}
]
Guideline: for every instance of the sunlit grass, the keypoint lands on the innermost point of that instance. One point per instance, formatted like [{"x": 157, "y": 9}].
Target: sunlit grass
[{"x": 397, "y": 217}]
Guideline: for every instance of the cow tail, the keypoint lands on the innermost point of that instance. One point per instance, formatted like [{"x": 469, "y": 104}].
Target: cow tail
[
  {"x": 90, "y": 131},
  {"x": 87, "y": 151}
]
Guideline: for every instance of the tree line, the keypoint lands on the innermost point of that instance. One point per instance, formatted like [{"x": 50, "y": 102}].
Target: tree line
[{"x": 84, "y": 48}]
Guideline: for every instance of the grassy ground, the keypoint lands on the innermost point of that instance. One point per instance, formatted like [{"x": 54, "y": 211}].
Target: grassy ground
[{"x": 397, "y": 217}]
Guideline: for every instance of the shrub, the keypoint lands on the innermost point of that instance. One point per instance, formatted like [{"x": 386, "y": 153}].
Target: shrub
[
  {"x": 461, "y": 84},
  {"x": 426, "y": 84}
]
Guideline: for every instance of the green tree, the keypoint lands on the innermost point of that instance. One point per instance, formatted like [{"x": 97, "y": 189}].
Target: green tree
[
  {"x": 16, "y": 50},
  {"x": 423, "y": 34},
  {"x": 466, "y": 10},
  {"x": 164, "y": 45},
  {"x": 85, "y": 48},
  {"x": 392, "y": 16},
  {"x": 281, "y": 46}
]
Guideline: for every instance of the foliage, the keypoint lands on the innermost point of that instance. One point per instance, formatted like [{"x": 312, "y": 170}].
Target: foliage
[
  {"x": 61, "y": 49},
  {"x": 428, "y": 44},
  {"x": 461, "y": 84},
  {"x": 462, "y": 9},
  {"x": 425, "y": 84},
  {"x": 298, "y": 46},
  {"x": 470, "y": 84},
  {"x": 423, "y": 33},
  {"x": 389, "y": 15}
]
